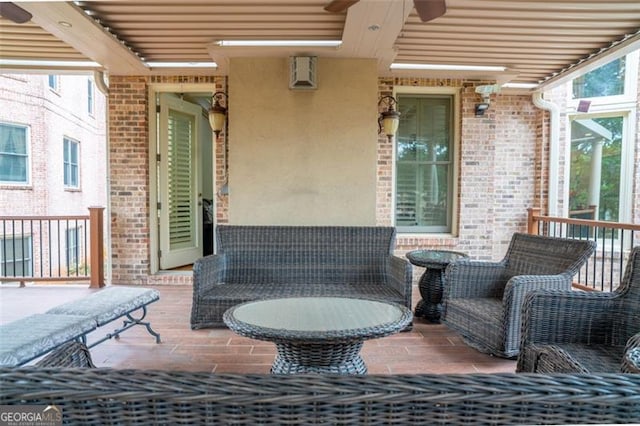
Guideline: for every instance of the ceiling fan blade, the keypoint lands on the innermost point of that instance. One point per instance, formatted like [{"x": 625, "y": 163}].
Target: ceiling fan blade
[
  {"x": 14, "y": 13},
  {"x": 337, "y": 6},
  {"x": 430, "y": 9}
]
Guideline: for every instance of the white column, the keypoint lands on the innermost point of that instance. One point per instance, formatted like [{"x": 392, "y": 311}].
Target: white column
[{"x": 595, "y": 176}]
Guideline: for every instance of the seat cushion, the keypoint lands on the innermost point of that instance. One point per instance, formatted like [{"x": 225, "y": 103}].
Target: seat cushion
[
  {"x": 109, "y": 304},
  {"x": 479, "y": 321},
  {"x": 245, "y": 292},
  {"x": 32, "y": 336},
  {"x": 578, "y": 358}
]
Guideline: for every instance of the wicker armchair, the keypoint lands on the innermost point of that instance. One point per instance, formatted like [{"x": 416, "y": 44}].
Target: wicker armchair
[
  {"x": 584, "y": 332},
  {"x": 483, "y": 300}
]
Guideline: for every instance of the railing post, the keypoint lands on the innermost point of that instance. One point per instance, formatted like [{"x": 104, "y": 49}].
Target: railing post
[
  {"x": 96, "y": 253},
  {"x": 532, "y": 220}
]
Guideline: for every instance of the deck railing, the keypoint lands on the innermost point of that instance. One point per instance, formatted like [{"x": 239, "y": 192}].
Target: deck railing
[
  {"x": 53, "y": 248},
  {"x": 605, "y": 268}
]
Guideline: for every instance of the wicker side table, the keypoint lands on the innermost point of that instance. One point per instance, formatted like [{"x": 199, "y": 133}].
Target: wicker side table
[
  {"x": 431, "y": 282},
  {"x": 317, "y": 334}
]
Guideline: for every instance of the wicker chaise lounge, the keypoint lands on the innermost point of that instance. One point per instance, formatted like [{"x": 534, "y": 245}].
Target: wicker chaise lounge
[
  {"x": 266, "y": 262},
  {"x": 483, "y": 300},
  {"x": 578, "y": 332}
]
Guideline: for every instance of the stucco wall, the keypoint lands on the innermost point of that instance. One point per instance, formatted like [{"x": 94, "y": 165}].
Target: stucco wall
[{"x": 302, "y": 156}]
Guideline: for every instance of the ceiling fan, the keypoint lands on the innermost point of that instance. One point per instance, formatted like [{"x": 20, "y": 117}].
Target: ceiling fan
[
  {"x": 14, "y": 13},
  {"x": 427, "y": 9}
]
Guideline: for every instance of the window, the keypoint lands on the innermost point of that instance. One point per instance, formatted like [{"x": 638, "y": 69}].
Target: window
[
  {"x": 15, "y": 257},
  {"x": 601, "y": 142},
  {"x": 608, "y": 80},
  {"x": 90, "y": 101},
  {"x": 71, "y": 238},
  {"x": 424, "y": 163},
  {"x": 14, "y": 158},
  {"x": 53, "y": 82},
  {"x": 70, "y": 163},
  {"x": 596, "y": 163}
]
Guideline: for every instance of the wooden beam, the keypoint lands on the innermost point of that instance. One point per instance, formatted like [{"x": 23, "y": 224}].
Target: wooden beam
[{"x": 85, "y": 35}]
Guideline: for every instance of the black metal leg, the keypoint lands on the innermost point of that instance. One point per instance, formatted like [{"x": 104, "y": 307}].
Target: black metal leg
[
  {"x": 131, "y": 321},
  {"x": 127, "y": 324}
]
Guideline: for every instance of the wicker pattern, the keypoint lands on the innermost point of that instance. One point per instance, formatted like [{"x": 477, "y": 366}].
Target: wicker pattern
[
  {"x": 432, "y": 281},
  {"x": 483, "y": 300},
  {"x": 328, "y": 343},
  {"x": 583, "y": 332},
  {"x": 262, "y": 262},
  {"x": 105, "y": 396},
  {"x": 69, "y": 355}
]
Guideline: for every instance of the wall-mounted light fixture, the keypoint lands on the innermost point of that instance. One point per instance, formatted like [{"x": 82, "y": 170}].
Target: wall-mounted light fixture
[
  {"x": 217, "y": 113},
  {"x": 389, "y": 119},
  {"x": 485, "y": 91}
]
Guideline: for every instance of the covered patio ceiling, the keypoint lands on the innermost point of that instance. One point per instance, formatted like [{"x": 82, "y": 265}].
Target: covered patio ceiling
[{"x": 535, "y": 41}]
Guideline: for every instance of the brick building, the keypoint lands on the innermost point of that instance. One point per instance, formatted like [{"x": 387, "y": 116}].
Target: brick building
[{"x": 53, "y": 139}]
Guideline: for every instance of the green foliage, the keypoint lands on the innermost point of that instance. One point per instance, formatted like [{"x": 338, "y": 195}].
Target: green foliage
[
  {"x": 581, "y": 154},
  {"x": 608, "y": 80}
]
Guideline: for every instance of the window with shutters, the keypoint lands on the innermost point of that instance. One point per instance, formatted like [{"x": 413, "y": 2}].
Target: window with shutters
[{"x": 424, "y": 163}]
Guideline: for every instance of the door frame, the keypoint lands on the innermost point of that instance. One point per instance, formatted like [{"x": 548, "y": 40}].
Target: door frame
[{"x": 154, "y": 90}]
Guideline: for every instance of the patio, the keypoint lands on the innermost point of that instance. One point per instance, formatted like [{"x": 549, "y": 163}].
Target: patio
[{"x": 428, "y": 348}]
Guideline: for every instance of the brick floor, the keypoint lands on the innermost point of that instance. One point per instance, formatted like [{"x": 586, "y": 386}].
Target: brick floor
[{"x": 428, "y": 348}]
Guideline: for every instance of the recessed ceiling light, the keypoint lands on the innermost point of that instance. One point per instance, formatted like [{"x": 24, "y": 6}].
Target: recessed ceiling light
[
  {"x": 445, "y": 67},
  {"x": 279, "y": 43},
  {"x": 520, "y": 85},
  {"x": 65, "y": 24},
  {"x": 182, "y": 64},
  {"x": 62, "y": 64}
]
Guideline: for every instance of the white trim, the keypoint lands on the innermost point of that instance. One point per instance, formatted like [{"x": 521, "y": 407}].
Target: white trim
[
  {"x": 554, "y": 150},
  {"x": 155, "y": 89},
  {"x": 625, "y": 106}
]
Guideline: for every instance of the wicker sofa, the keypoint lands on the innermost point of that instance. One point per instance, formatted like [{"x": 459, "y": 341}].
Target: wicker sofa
[
  {"x": 263, "y": 262},
  {"x": 107, "y": 396}
]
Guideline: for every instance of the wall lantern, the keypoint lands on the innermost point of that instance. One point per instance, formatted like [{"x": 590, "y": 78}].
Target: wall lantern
[
  {"x": 217, "y": 113},
  {"x": 389, "y": 119}
]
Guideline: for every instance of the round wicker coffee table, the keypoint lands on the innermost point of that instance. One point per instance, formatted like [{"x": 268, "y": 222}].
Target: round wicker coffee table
[{"x": 317, "y": 334}]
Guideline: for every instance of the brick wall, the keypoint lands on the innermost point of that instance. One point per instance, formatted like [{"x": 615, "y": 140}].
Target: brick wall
[
  {"x": 129, "y": 170},
  {"x": 499, "y": 171}
]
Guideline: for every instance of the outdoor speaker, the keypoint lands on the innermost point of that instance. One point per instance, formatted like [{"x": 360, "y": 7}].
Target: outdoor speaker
[{"x": 302, "y": 72}]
